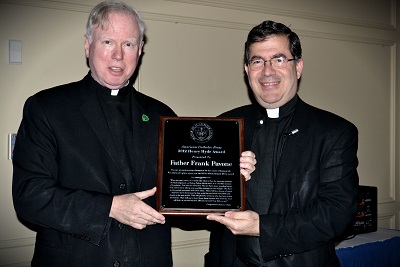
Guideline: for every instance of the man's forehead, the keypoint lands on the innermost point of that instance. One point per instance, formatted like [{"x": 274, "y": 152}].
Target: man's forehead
[{"x": 273, "y": 46}]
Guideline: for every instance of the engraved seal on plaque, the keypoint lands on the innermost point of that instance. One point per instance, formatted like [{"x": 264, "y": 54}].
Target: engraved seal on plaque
[{"x": 201, "y": 132}]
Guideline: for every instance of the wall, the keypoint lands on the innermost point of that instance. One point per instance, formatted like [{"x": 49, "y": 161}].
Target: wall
[{"x": 193, "y": 62}]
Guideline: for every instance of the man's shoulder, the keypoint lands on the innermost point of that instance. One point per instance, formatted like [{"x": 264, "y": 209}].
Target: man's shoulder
[
  {"x": 60, "y": 90},
  {"x": 152, "y": 103},
  {"x": 323, "y": 117},
  {"x": 241, "y": 111}
]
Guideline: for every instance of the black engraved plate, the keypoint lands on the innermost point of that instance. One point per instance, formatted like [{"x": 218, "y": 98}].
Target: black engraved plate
[{"x": 198, "y": 166}]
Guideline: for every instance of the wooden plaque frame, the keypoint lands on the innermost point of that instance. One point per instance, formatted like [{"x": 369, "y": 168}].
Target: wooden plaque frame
[{"x": 198, "y": 166}]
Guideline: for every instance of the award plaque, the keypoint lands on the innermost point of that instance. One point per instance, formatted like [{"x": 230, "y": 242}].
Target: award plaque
[{"x": 198, "y": 166}]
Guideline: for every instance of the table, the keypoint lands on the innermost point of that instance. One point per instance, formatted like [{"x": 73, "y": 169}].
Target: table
[{"x": 375, "y": 249}]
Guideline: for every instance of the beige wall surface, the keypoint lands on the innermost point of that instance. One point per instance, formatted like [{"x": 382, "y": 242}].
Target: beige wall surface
[{"x": 193, "y": 61}]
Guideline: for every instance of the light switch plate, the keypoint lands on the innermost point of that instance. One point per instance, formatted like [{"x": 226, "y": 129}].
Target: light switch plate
[
  {"x": 11, "y": 142},
  {"x": 15, "y": 51}
]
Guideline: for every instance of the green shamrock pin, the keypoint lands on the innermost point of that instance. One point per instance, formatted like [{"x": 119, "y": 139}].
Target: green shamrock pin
[{"x": 145, "y": 118}]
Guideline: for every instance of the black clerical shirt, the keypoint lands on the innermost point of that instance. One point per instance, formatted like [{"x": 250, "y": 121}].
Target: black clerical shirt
[
  {"x": 118, "y": 113},
  {"x": 268, "y": 143}
]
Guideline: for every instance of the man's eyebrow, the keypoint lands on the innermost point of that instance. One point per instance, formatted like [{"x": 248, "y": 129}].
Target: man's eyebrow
[
  {"x": 255, "y": 57},
  {"x": 279, "y": 55},
  {"x": 133, "y": 39},
  {"x": 273, "y": 56}
]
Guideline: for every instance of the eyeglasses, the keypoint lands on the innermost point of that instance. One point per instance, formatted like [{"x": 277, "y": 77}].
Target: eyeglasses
[{"x": 276, "y": 63}]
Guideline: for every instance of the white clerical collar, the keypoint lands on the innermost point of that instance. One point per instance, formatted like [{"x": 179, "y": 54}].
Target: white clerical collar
[
  {"x": 273, "y": 113},
  {"x": 115, "y": 91}
]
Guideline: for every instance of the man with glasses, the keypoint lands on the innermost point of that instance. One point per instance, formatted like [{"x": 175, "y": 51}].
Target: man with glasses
[{"x": 303, "y": 193}]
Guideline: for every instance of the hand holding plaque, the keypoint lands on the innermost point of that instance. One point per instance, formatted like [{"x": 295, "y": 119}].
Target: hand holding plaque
[{"x": 198, "y": 166}]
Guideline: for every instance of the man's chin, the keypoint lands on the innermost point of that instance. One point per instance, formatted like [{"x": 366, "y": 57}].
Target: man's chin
[{"x": 116, "y": 84}]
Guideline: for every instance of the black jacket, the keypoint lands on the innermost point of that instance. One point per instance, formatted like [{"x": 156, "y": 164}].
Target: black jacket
[
  {"x": 314, "y": 198},
  {"x": 65, "y": 176}
]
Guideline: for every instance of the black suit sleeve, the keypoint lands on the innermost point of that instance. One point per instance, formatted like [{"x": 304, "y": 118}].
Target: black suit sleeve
[{"x": 38, "y": 194}]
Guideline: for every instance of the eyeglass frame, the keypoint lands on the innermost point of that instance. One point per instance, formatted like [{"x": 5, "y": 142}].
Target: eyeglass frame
[{"x": 270, "y": 62}]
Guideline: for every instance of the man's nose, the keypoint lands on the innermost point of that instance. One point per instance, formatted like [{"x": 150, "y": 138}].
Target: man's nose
[
  {"x": 268, "y": 69},
  {"x": 117, "y": 53}
]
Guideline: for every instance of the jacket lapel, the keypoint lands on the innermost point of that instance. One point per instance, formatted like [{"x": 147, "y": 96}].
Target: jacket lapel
[
  {"x": 294, "y": 148},
  {"x": 142, "y": 123},
  {"x": 93, "y": 112}
]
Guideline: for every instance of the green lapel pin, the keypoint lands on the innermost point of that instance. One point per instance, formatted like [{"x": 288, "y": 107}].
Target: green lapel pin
[{"x": 145, "y": 118}]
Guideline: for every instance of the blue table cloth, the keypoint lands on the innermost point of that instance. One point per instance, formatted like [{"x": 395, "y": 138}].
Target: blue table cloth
[{"x": 377, "y": 249}]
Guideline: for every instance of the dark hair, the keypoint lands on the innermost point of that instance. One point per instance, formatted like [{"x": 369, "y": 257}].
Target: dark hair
[{"x": 268, "y": 28}]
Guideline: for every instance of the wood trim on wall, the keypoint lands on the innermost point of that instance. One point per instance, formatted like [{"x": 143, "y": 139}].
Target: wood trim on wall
[
  {"x": 227, "y": 24},
  {"x": 393, "y": 122},
  {"x": 17, "y": 243},
  {"x": 257, "y": 8},
  {"x": 51, "y": 5}
]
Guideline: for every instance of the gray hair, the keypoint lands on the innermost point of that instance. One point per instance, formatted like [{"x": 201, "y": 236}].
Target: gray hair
[{"x": 99, "y": 16}]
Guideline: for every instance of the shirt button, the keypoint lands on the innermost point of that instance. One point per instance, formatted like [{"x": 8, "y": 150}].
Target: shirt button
[
  {"x": 121, "y": 226},
  {"x": 122, "y": 186},
  {"x": 116, "y": 264}
]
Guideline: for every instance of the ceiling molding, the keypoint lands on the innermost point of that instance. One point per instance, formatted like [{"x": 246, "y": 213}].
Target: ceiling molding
[
  {"x": 50, "y": 4},
  {"x": 247, "y": 27},
  {"x": 246, "y": 6},
  {"x": 201, "y": 21}
]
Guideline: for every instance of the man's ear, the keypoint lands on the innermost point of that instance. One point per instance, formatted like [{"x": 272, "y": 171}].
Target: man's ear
[
  {"x": 246, "y": 69},
  {"x": 87, "y": 46},
  {"x": 299, "y": 67}
]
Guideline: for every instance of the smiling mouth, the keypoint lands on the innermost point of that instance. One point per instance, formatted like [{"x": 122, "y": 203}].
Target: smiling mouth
[
  {"x": 269, "y": 83},
  {"x": 116, "y": 69}
]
